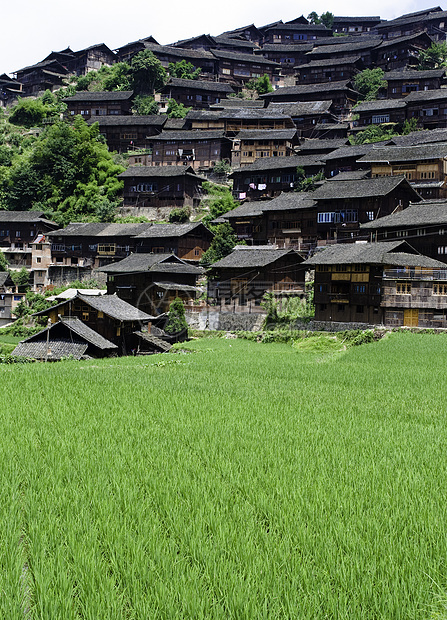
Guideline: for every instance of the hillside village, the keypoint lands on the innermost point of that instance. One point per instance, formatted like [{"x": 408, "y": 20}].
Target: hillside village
[{"x": 322, "y": 177}]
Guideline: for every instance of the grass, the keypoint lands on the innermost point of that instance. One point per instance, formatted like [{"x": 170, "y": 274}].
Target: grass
[{"x": 241, "y": 480}]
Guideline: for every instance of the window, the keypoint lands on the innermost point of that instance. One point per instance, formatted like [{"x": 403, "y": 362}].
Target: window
[
  {"x": 38, "y": 259},
  {"x": 370, "y": 215},
  {"x": 380, "y": 118},
  {"x": 359, "y": 289},
  {"x": 403, "y": 288},
  {"x": 439, "y": 289},
  {"x": 226, "y": 71}
]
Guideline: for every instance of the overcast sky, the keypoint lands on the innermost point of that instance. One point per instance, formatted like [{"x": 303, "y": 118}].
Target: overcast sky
[{"x": 31, "y": 30}]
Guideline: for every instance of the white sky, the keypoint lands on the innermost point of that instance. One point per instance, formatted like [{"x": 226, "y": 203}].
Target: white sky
[{"x": 31, "y": 30}]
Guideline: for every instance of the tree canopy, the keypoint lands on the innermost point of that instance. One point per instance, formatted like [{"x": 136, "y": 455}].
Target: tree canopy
[
  {"x": 184, "y": 69},
  {"x": 434, "y": 57},
  {"x": 67, "y": 172},
  {"x": 368, "y": 83}
]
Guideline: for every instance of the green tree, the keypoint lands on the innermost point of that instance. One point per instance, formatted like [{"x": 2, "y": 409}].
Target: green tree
[
  {"x": 144, "y": 105},
  {"x": 261, "y": 85},
  {"x": 222, "y": 244},
  {"x": 176, "y": 317},
  {"x": 176, "y": 110},
  {"x": 313, "y": 18},
  {"x": 219, "y": 201},
  {"x": 147, "y": 73},
  {"x": 327, "y": 19},
  {"x": 179, "y": 216},
  {"x": 29, "y": 113},
  {"x": 3, "y": 262},
  {"x": 184, "y": 70},
  {"x": 306, "y": 184},
  {"x": 368, "y": 83},
  {"x": 433, "y": 57},
  {"x": 20, "y": 278}
]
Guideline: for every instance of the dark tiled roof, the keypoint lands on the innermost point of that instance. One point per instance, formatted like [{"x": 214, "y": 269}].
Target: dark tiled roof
[
  {"x": 244, "y": 256},
  {"x": 348, "y": 253},
  {"x": 318, "y": 144},
  {"x": 280, "y": 47},
  {"x": 420, "y": 214},
  {"x": 407, "y": 39},
  {"x": 192, "y": 134},
  {"x": 351, "y": 175},
  {"x": 5, "y": 278},
  {"x": 396, "y": 154},
  {"x": 412, "y": 18},
  {"x": 239, "y": 113},
  {"x": 413, "y": 74},
  {"x": 328, "y": 62},
  {"x": 248, "y": 58},
  {"x": 427, "y": 95},
  {"x": 86, "y": 333},
  {"x": 115, "y": 95},
  {"x": 159, "y": 171},
  {"x": 275, "y": 163},
  {"x": 355, "y": 20},
  {"x": 236, "y": 102},
  {"x": 305, "y": 89},
  {"x": 159, "y": 263},
  {"x": 116, "y": 308},
  {"x": 305, "y": 108},
  {"x": 54, "y": 350},
  {"x": 427, "y": 136},
  {"x": 99, "y": 229},
  {"x": 180, "y": 52},
  {"x": 199, "y": 85},
  {"x": 286, "y": 201},
  {"x": 126, "y": 120},
  {"x": 157, "y": 343},
  {"x": 266, "y": 134},
  {"x": 363, "y": 188},
  {"x": 331, "y": 126},
  {"x": 304, "y": 27},
  {"x": 347, "y": 152},
  {"x": 366, "y": 43},
  {"x": 380, "y": 104},
  {"x": 21, "y": 216},
  {"x": 169, "y": 230}
]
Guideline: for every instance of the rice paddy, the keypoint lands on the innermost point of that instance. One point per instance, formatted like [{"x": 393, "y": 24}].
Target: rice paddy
[{"x": 243, "y": 480}]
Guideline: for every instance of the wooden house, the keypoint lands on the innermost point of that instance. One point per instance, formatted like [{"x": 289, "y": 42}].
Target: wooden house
[
  {"x": 401, "y": 83},
  {"x": 10, "y": 297},
  {"x": 380, "y": 111},
  {"x": 424, "y": 166},
  {"x": 96, "y": 104},
  {"x": 91, "y": 58},
  {"x": 355, "y": 25},
  {"x": 70, "y": 338},
  {"x": 89, "y": 245},
  {"x": 18, "y": 231},
  {"x": 329, "y": 70},
  {"x": 199, "y": 149},
  {"x": 222, "y": 42},
  {"x": 126, "y": 52},
  {"x": 307, "y": 115},
  {"x": 330, "y": 131},
  {"x": 241, "y": 278},
  {"x": 373, "y": 283},
  {"x": 250, "y": 33},
  {"x": 341, "y": 94},
  {"x": 232, "y": 120},
  {"x": 292, "y": 32},
  {"x": 187, "y": 241},
  {"x": 269, "y": 176},
  {"x": 197, "y": 94},
  {"x": 152, "y": 281},
  {"x": 400, "y": 52},
  {"x": 423, "y": 225},
  {"x": 428, "y": 107},
  {"x": 431, "y": 21},
  {"x": 343, "y": 205},
  {"x": 251, "y": 144},
  {"x": 9, "y": 90},
  {"x": 345, "y": 159},
  {"x": 199, "y": 59},
  {"x": 161, "y": 186},
  {"x": 129, "y": 133},
  {"x": 342, "y": 47},
  {"x": 45, "y": 75},
  {"x": 287, "y": 221},
  {"x": 237, "y": 69},
  {"x": 288, "y": 56},
  {"x": 110, "y": 316}
]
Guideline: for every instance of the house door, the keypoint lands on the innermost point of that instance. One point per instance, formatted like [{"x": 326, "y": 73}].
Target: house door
[{"x": 411, "y": 317}]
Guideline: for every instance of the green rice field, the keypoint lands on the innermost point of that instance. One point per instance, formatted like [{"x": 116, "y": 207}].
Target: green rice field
[{"x": 241, "y": 480}]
